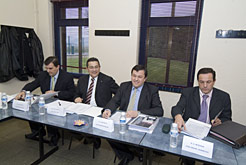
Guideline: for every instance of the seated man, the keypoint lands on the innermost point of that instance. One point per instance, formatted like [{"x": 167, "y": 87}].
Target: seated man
[
  {"x": 133, "y": 97},
  {"x": 202, "y": 103},
  {"x": 51, "y": 80},
  {"x": 95, "y": 89}
]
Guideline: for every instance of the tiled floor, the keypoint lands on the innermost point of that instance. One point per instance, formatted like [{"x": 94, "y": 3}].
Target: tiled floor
[{"x": 15, "y": 149}]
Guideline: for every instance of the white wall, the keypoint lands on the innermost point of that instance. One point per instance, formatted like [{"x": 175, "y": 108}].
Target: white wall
[
  {"x": 116, "y": 54},
  {"x": 226, "y": 56}
]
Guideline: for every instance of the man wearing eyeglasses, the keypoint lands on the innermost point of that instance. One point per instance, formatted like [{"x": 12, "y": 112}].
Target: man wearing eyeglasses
[
  {"x": 204, "y": 102},
  {"x": 95, "y": 89}
]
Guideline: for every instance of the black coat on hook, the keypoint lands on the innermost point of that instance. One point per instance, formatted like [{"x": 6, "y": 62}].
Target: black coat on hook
[{"x": 25, "y": 54}]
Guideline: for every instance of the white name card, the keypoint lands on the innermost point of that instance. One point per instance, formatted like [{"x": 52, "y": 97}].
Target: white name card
[
  {"x": 198, "y": 146},
  {"x": 56, "y": 110},
  {"x": 103, "y": 124},
  {"x": 20, "y": 105}
]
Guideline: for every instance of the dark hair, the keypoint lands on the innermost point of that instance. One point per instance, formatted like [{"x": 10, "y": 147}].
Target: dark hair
[
  {"x": 52, "y": 59},
  {"x": 205, "y": 71},
  {"x": 92, "y": 59},
  {"x": 138, "y": 68}
]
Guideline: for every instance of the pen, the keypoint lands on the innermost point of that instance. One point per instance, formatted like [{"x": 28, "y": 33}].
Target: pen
[{"x": 218, "y": 114}]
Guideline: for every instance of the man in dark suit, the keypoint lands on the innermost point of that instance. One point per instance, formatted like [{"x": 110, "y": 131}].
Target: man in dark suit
[
  {"x": 62, "y": 82},
  {"x": 103, "y": 89},
  {"x": 95, "y": 89},
  {"x": 146, "y": 100},
  {"x": 192, "y": 101}
]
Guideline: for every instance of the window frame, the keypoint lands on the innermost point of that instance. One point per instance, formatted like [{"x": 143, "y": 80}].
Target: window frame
[
  {"x": 59, "y": 22},
  {"x": 147, "y": 22}
]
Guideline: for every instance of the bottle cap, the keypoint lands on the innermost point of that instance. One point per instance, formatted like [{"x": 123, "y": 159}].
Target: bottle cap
[{"x": 174, "y": 125}]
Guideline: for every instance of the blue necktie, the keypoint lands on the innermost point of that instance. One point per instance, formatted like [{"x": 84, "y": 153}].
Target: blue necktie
[{"x": 204, "y": 109}]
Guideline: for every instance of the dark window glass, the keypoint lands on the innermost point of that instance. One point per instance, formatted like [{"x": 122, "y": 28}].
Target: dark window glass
[
  {"x": 72, "y": 35},
  {"x": 169, "y": 37}
]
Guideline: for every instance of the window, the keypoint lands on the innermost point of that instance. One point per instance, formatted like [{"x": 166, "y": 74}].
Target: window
[
  {"x": 168, "y": 43},
  {"x": 72, "y": 35}
]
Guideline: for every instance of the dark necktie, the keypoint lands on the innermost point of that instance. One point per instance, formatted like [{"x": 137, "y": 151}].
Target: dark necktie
[
  {"x": 89, "y": 92},
  {"x": 204, "y": 109}
]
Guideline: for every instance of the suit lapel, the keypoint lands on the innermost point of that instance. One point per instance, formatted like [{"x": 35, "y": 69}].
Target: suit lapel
[
  {"x": 58, "y": 80},
  {"x": 128, "y": 94},
  {"x": 99, "y": 81},
  {"x": 196, "y": 97},
  {"x": 213, "y": 100},
  {"x": 142, "y": 96}
]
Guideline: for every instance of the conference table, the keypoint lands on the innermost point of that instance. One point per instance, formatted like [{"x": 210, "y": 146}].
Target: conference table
[{"x": 157, "y": 141}]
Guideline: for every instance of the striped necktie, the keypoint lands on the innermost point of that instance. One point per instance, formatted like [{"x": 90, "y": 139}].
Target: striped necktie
[{"x": 89, "y": 92}]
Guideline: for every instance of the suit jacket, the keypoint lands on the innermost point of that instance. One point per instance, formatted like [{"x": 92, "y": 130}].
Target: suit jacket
[
  {"x": 189, "y": 104},
  {"x": 105, "y": 88},
  {"x": 64, "y": 84},
  {"x": 149, "y": 100}
]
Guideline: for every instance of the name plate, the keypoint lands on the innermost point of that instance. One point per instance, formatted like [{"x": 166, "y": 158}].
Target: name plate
[
  {"x": 198, "y": 146},
  {"x": 56, "y": 110},
  {"x": 20, "y": 105},
  {"x": 103, "y": 124}
]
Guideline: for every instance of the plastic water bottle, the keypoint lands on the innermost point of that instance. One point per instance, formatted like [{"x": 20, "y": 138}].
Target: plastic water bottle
[
  {"x": 28, "y": 98},
  {"x": 4, "y": 101},
  {"x": 41, "y": 106},
  {"x": 174, "y": 135},
  {"x": 122, "y": 123}
]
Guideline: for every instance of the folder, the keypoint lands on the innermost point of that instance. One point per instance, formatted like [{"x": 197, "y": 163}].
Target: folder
[{"x": 230, "y": 132}]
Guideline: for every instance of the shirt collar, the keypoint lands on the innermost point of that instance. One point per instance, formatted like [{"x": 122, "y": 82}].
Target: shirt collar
[
  {"x": 209, "y": 94},
  {"x": 94, "y": 78},
  {"x": 139, "y": 88},
  {"x": 57, "y": 74}
]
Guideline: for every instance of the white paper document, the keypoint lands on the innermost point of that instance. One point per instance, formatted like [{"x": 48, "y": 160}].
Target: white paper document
[
  {"x": 196, "y": 128},
  {"x": 198, "y": 146},
  {"x": 116, "y": 118},
  {"x": 11, "y": 97},
  {"x": 78, "y": 108}
]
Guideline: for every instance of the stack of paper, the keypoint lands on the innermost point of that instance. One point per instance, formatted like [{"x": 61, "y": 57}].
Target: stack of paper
[
  {"x": 78, "y": 108},
  {"x": 144, "y": 123},
  {"x": 196, "y": 128},
  {"x": 116, "y": 118}
]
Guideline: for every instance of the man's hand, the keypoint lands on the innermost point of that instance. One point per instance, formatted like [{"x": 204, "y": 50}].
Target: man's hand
[
  {"x": 106, "y": 114},
  {"x": 51, "y": 91},
  {"x": 180, "y": 122},
  {"x": 131, "y": 114},
  {"x": 216, "y": 122},
  {"x": 78, "y": 100},
  {"x": 20, "y": 96}
]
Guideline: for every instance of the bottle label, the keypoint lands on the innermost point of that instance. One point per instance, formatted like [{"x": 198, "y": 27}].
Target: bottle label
[
  {"x": 122, "y": 121},
  {"x": 173, "y": 133},
  {"x": 41, "y": 104}
]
